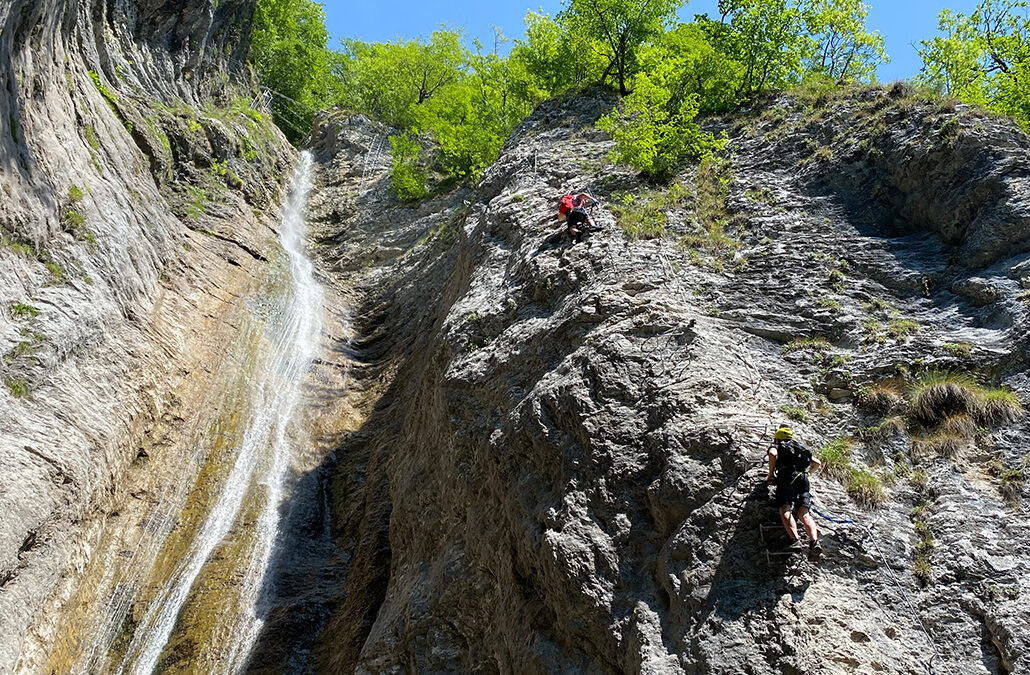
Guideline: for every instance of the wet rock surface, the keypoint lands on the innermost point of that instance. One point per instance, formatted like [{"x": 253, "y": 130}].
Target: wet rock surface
[
  {"x": 135, "y": 177},
  {"x": 559, "y": 467}
]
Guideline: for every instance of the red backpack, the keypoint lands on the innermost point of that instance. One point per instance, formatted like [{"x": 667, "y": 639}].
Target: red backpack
[{"x": 568, "y": 202}]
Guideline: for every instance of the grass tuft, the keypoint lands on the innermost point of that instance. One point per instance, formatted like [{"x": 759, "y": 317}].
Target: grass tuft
[
  {"x": 1000, "y": 406},
  {"x": 865, "y": 488},
  {"x": 940, "y": 444},
  {"x": 902, "y": 329},
  {"x": 18, "y": 387},
  {"x": 960, "y": 424},
  {"x": 795, "y": 413},
  {"x": 882, "y": 431},
  {"x": 835, "y": 456},
  {"x": 815, "y": 344},
  {"x": 959, "y": 349},
  {"x": 936, "y": 395},
  {"x": 881, "y": 397},
  {"x": 20, "y": 309}
]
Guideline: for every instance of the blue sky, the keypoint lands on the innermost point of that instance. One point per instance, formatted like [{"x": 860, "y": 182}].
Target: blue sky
[{"x": 902, "y": 22}]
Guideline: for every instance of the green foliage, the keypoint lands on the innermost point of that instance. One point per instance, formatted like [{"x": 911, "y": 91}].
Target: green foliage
[
  {"x": 999, "y": 406},
  {"x": 55, "y": 269},
  {"x": 938, "y": 395},
  {"x": 901, "y": 329},
  {"x": 111, "y": 99},
  {"x": 922, "y": 567},
  {"x": 983, "y": 57},
  {"x": 409, "y": 181},
  {"x": 883, "y": 430},
  {"x": 389, "y": 80},
  {"x": 816, "y": 344},
  {"x": 643, "y": 216},
  {"x": 552, "y": 59},
  {"x": 940, "y": 444},
  {"x": 837, "y": 280},
  {"x": 91, "y": 137},
  {"x": 72, "y": 219},
  {"x": 75, "y": 194},
  {"x": 618, "y": 28},
  {"x": 795, "y": 413},
  {"x": 767, "y": 37},
  {"x": 959, "y": 349},
  {"x": 880, "y": 397},
  {"x": 843, "y": 50},
  {"x": 472, "y": 117},
  {"x": 655, "y": 132},
  {"x": 835, "y": 457},
  {"x": 290, "y": 54},
  {"x": 19, "y": 247},
  {"x": 865, "y": 487},
  {"x": 18, "y": 387},
  {"x": 20, "y": 309}
]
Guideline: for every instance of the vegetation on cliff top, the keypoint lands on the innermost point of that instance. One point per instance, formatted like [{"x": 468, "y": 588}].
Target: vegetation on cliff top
[{"x": 468, "y": 98}]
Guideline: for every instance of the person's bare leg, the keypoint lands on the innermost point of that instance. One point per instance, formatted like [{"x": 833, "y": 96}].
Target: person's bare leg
[
  {"x": 805, "y": 514},
  {"x": 788, "y": 522}
]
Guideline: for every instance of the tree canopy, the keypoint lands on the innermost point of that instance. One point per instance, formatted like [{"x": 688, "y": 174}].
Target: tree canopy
[
  {"x": 289, "y": 48},
  {"x": 464, "y": 98},
  {"x": 617, "y": 29},
  {"x": 983, "y": 57}
]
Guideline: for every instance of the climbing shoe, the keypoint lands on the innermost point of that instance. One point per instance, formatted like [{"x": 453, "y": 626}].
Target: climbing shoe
[
  {"x": 815, "y": 549},
  {"x": 794, "y": 546}
]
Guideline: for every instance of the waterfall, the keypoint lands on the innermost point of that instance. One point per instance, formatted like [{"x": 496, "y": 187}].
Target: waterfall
[{"x": 292, "y": 330}]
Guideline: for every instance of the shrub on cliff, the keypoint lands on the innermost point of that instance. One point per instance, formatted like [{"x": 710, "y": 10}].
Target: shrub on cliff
[
  {"x": 656, "y": 132},
  {"x": 409, "y": 181}
]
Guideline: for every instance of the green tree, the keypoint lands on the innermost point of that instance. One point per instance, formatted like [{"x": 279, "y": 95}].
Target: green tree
[
  {"x": 473, "y": 116},
  {"x": 983, "y": 57},
  {"x": 552, "y": 60},
  {"x": 842, "y": 48},
  {"x": 685, "y": 62},
  {"x": 768, "y": 38},
  {"x": 291, "y": 58},
  {"x": 409, "y": 180},
  {"x": 388, "y": 80},
  {"x": 656, "y": 132},
  {"x": 619, "y": 28}
]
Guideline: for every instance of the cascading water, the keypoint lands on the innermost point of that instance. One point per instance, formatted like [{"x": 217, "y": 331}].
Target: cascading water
[{"x": 242, "y": 512}]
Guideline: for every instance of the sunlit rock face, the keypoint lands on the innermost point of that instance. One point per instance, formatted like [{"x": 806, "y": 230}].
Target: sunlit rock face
[
  {"x": 139, "y": 208},
  {"x": 530, "y": 456},
  {"x": 560, "y": 467}
]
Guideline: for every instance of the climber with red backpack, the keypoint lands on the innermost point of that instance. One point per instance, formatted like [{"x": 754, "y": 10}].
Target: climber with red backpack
[
  {"x": 572, "y": 210},
  {"x": 788, "y": 471}
]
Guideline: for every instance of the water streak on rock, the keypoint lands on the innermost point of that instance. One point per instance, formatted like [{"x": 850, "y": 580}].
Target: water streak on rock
[{"x": 293, "y": 330}]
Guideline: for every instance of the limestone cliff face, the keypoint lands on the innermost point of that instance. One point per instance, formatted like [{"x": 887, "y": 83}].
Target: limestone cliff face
[
  {"x": 134, "y": 178},
  {"x": 560, "y": 467}
]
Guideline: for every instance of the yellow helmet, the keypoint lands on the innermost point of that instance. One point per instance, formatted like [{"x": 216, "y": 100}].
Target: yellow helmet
[{"x": 784, "y": 433}]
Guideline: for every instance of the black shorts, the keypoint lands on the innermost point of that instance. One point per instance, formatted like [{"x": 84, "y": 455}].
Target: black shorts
[
  {"x": 796, "y": 493},
  {"x": 577, "y": 216}
]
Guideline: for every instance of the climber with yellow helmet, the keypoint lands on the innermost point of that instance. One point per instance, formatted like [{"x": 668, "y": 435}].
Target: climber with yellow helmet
[{"x": 788, "y": 471}]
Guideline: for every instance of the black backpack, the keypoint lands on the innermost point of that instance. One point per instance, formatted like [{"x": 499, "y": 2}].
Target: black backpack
[{"x": 792, "y": 458}]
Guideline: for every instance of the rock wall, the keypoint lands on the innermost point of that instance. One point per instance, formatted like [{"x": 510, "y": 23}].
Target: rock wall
[
  {"x": 560, "y": 465},
  {"x": 135, "y": 178}
]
